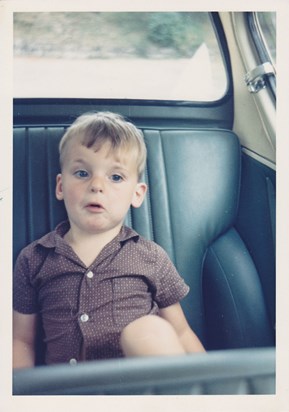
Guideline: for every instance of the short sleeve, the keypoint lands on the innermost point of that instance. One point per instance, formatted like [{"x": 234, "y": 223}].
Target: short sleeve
[
  {"x": 24, "y": 293},
  {"x": 171, "y": 287}
]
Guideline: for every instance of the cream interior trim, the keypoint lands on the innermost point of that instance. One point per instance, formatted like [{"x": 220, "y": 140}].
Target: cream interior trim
[{"x": 254, "y": 120}]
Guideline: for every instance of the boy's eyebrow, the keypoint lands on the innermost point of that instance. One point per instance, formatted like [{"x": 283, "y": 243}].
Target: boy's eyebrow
[
  {"x": 79, "y": 161},
  {"x": 117, "y": 165}
]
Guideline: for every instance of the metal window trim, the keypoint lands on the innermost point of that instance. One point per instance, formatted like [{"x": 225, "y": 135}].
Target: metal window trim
[
  {"x": 256, "y": 78},
  {"x": 261, "y": 47}
]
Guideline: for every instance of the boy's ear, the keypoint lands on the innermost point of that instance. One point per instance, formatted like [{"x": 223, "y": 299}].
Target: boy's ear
[
  {"x": 139, "y": 195},
  {"x": 58, "y": 188}
]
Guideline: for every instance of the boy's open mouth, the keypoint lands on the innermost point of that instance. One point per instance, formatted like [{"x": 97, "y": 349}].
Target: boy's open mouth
[{"x": 94, "y": 206}]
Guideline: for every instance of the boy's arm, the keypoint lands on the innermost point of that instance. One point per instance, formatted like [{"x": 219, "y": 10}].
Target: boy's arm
[
  {"x": 175, "y": 316},
  {"x": 24, "y": 332}
]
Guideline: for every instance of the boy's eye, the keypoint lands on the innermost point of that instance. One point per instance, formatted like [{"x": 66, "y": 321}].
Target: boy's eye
[
  {"x": 81, "y": 173},
  {"x": 116, "y": 178}
]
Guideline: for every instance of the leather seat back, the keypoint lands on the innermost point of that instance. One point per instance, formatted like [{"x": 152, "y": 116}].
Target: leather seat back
[{"x": 192, "y": 203}]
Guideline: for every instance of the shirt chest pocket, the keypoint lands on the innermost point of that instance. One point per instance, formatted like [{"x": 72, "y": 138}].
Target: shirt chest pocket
[{"x": 132, "y": 298}]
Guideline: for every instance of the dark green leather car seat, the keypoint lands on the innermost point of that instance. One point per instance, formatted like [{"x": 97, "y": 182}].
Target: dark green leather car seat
[{"x": 190, "y": 210}]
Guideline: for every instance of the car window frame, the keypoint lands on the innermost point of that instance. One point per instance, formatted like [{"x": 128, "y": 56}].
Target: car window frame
[{"x": 261, "y": 49}]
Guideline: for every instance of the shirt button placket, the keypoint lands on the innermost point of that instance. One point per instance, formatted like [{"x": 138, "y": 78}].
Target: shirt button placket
[
  {"x": 84, "y": 317},
  {"x": 85, "y": 303}
]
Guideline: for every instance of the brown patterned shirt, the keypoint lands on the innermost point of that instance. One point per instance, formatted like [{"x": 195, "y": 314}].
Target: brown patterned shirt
[{"x": 84, "y": 309}]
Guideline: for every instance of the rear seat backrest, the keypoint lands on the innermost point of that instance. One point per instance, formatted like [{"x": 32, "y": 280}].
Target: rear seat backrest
[{"x": 192, "y": 202}]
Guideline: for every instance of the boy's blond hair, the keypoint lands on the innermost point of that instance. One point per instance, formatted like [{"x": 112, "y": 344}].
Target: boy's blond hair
[{"x": 94, "y": 129}]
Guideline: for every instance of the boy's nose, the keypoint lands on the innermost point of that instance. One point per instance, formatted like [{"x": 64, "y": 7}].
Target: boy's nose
[
  {"x": 96, "y": 189},
  {"x": 96, "y": 185}
]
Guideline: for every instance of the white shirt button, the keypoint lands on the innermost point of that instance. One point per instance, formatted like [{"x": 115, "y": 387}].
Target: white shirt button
[
  {"x": 73, "y": 361},
  {"x": 84, "y": 317},
  {"x": 90, "y": 275}
]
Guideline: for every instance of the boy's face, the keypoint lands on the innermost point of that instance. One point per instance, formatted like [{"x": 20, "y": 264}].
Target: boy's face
[{"x": 98, "y": 187}]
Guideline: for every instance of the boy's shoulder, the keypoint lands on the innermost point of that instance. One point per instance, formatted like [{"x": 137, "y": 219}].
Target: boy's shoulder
[
  {"x": 143, "y": 244},
  {"x": 47, "y": 241},
  {"x": 128, "y": 233}
]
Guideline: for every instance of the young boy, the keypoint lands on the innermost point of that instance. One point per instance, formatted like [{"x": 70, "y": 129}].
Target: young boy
[{"x": 101, "y": 290}]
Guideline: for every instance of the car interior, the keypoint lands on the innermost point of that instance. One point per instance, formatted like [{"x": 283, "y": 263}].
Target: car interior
[{"x": 211, "y": 205}]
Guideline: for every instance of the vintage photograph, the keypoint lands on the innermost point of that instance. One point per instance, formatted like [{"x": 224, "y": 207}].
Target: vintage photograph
[{"x": 143, "y": 207}]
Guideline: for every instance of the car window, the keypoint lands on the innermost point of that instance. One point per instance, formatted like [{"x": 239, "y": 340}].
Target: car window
[{"x": 123, "y": 55}]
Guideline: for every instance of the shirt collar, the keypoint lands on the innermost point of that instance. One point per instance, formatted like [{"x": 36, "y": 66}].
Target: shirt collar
[{"x": 55, "y": 238}]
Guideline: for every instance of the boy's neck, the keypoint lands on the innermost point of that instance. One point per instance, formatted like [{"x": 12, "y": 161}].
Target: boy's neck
[{"x": 88, "y": 246}]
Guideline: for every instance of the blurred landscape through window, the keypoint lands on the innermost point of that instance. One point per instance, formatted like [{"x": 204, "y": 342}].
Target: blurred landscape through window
[{"x": 118, "y": 55}]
